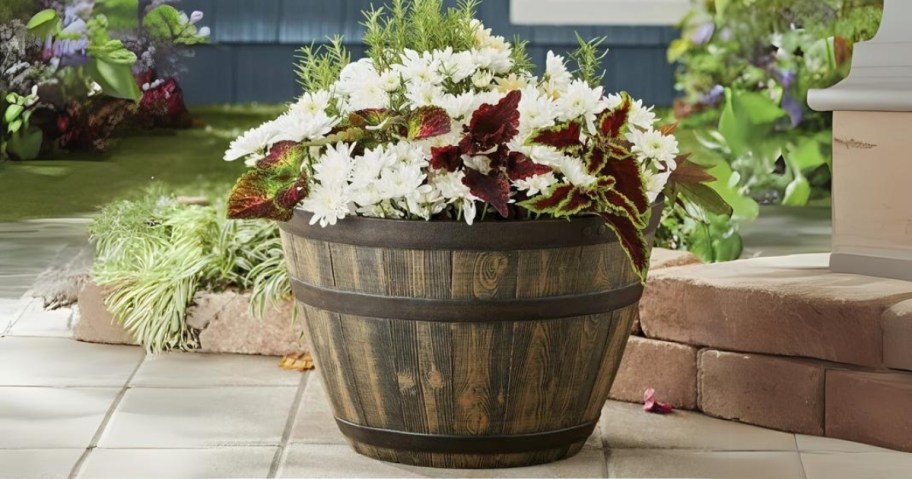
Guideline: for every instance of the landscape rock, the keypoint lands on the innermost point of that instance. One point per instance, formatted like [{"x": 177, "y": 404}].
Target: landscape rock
[
  {"x": 870, "y": 407},
  {"x": 789, "y": 306},
  {"x": 96, "y": 324},
  {"x": 779, "y": 393},
  {"x": 897, "y": 336},
  {"x": 669, "y": 368}
]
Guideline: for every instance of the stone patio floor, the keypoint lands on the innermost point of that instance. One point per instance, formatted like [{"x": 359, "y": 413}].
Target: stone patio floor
[{"x": 77, "y": 410}]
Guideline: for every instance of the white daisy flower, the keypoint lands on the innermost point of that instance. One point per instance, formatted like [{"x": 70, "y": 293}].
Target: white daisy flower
[
  {"x": 253, "y": 142},
  {"x": 653, "y": 145},
  {"x": 536, "y": 184},
  {"x": 328, "y": 205}
]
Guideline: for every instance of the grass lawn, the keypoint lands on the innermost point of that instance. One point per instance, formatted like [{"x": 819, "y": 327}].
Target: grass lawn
[{"x": 72, "y": 184}]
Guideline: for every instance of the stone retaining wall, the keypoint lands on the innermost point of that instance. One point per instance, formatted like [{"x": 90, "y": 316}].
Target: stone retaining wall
[{"x": 780, "y": 343}]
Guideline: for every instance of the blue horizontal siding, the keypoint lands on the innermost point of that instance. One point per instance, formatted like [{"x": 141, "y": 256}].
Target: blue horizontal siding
[{"x": 253, "y": 42}]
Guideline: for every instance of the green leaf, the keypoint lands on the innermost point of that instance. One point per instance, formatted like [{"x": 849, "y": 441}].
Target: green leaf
[
  {"x": 44, "y": 23},
  {"x": 26, "y": 144},
  {"x": 798, "y": 192},
  {"x": 705, "y": 197},
  {"x": 747, "y": 118},
  {"x": 14, "y": 125},
  {"x": 116, "y": 79},
  {"x": 12, "y": 112},
  {"x": 112, "y": 51},
  {"x": 806, "y": 156},
  {"x": 728, "y": 186},
  {"x": 678, "y": 49},
  {"x": 163, "y": 21}
]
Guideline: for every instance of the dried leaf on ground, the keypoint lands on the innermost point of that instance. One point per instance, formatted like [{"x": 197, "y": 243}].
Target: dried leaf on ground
[{"x": 297, "y": 362}]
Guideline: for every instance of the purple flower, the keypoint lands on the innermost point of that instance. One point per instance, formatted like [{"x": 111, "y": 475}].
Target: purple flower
[
  {"x": 714, "y": 96},
  {"x": 703, "y": 34},
  {"x": 794, "y": 108},
  {"x": 786, "y": 77}
]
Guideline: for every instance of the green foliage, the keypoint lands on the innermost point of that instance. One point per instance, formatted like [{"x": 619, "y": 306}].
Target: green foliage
[
  {"x": 745, "y": 67},
  {"x": 420, "y": 25},
  {"x": 589, "y": 60},
  {"x": 16, "y": 10},
  {"x": 44, "y": 23},
  {"x": 319, "y": 67},
  {"x": 154, "y": 253},
  {"x": 168, "y": 23}
]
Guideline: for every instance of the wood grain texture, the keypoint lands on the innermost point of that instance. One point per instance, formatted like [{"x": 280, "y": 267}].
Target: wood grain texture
[{"x": 469, "y": 379}]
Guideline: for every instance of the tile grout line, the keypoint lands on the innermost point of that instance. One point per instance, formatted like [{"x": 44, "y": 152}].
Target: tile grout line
[
  {"x": 104, "y": 422},
  {"x": 800, "y": 460},
  {"x": 289, "y": 425}
]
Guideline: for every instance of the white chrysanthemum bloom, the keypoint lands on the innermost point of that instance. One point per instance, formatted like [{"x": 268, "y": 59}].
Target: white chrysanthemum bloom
[
  {"x": 479, "y": 163},
  {"x": 458, "y": 106},
  {"x": 419, "y": 67},
  {"x": 535, "y": 112},
  {"x": 653, "y": 145},
  {"x": 574, "y": 170},
  {"x": 390, "y": 80},
  {"x": 401, "y": 181},
  {"x": 492, "y": 59},
  {"x": 556, "y": 78},
  {"x": 426, "y": 202},
  {"x": 655, "y": 184},
  {"x": 482, "y": 79},
  {"x": 294, "y": 127},
  {"x": 455, "y": 66},
  {"x": 328, "y": 205},
  {"x": 424, "y": 94},
  {"x": 334, "y": 169},
  {"x": 536, "y": 184},
  {"x": 452, "y": 189},
  {"x": 580, "y": 101},
  {"x": 311, "y": 104},
  {"x": 368, "y": 96},
  {"x": 641, "y": 116},
  {"x": 365, "y": 189},
  {"x": 252, "y": 143},
  {"x": 355, "y": 75}
]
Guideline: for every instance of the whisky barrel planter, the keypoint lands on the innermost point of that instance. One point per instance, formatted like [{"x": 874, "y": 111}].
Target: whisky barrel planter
[{"x": 447, "y": 345}]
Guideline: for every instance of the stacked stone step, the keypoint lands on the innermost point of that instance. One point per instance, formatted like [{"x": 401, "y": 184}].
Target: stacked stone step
[{"x": 781, "y": 343}]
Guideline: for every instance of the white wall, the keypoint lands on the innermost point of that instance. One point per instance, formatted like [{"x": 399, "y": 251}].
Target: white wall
[{"x": 598, "y": 12}]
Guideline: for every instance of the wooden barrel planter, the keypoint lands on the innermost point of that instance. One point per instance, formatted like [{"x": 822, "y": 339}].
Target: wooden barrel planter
[{"x": 447, "y": 345}]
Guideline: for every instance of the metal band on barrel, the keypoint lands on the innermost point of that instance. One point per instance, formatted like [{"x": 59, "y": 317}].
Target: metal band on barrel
[
  {"x": 504, "y": 444},
  {"x": 465, "y": 311}
]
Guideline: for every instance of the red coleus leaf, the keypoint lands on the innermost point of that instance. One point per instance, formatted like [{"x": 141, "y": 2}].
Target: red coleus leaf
[
  {"x": 578, "y": 202},
  {"x": 595, "y": 160},
  {"x": 521, "y": 167},
  {"x": 447, "y": 158},
  {"x": 493, "y": 125},
  {"x": 612, "y": 122},
  {"x": 278, "y": 155},
  {"x": 689, "y": 172},
  {"x": 493, "y": 188},
  {"x": 650, "y": 404},
  {"x": 562, "y": 137},
  {"x": 632, "y": 241},
  {"x": 427, "y": 122},
  {"x": 618, "y": 203},
  {"x": 273, "y": 189},
  {"x": 629, "y": 181},
  {"x": 369, "y": 117},
  {"x": 548, "y": 202},
  {"x": 254, "y": 196}
]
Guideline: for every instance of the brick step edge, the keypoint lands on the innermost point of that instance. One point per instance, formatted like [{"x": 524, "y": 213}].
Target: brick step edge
[
  {"x": 223, "y": 319},
  {"x": 794, "y": 395}
]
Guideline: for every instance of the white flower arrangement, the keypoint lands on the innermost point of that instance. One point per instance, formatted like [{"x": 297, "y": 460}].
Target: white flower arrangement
[{"x": 465, "y": 134}]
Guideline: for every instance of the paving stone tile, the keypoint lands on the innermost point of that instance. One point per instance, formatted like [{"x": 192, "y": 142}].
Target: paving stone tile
[
  {"x": 37, "y": 417},
  {"x": 641, "y": 463},
  {"x": 202, "y": 370},
  {"x": 828, "y": 444},
  {"x": 321, "y": 460},
  {"x": 314, "y": 423},
  {"x": 205, "y": 417},
  {"x": 37, "y": 463},
  {"x": 60, "y": 362},
  {"x": 35, "y": 321},
  {"x": 10, "y": 310},
  {"x": 861, "y": 465},
  {"x": 234, "y": 462},
  {"x": 627, "y": 426}
]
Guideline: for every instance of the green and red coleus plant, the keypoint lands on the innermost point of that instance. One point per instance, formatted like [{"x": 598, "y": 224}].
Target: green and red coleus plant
[{"x": 466, "y": 133}]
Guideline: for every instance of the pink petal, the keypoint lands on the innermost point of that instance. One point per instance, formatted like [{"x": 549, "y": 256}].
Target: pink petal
[{"x": 650, "y": 404}]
